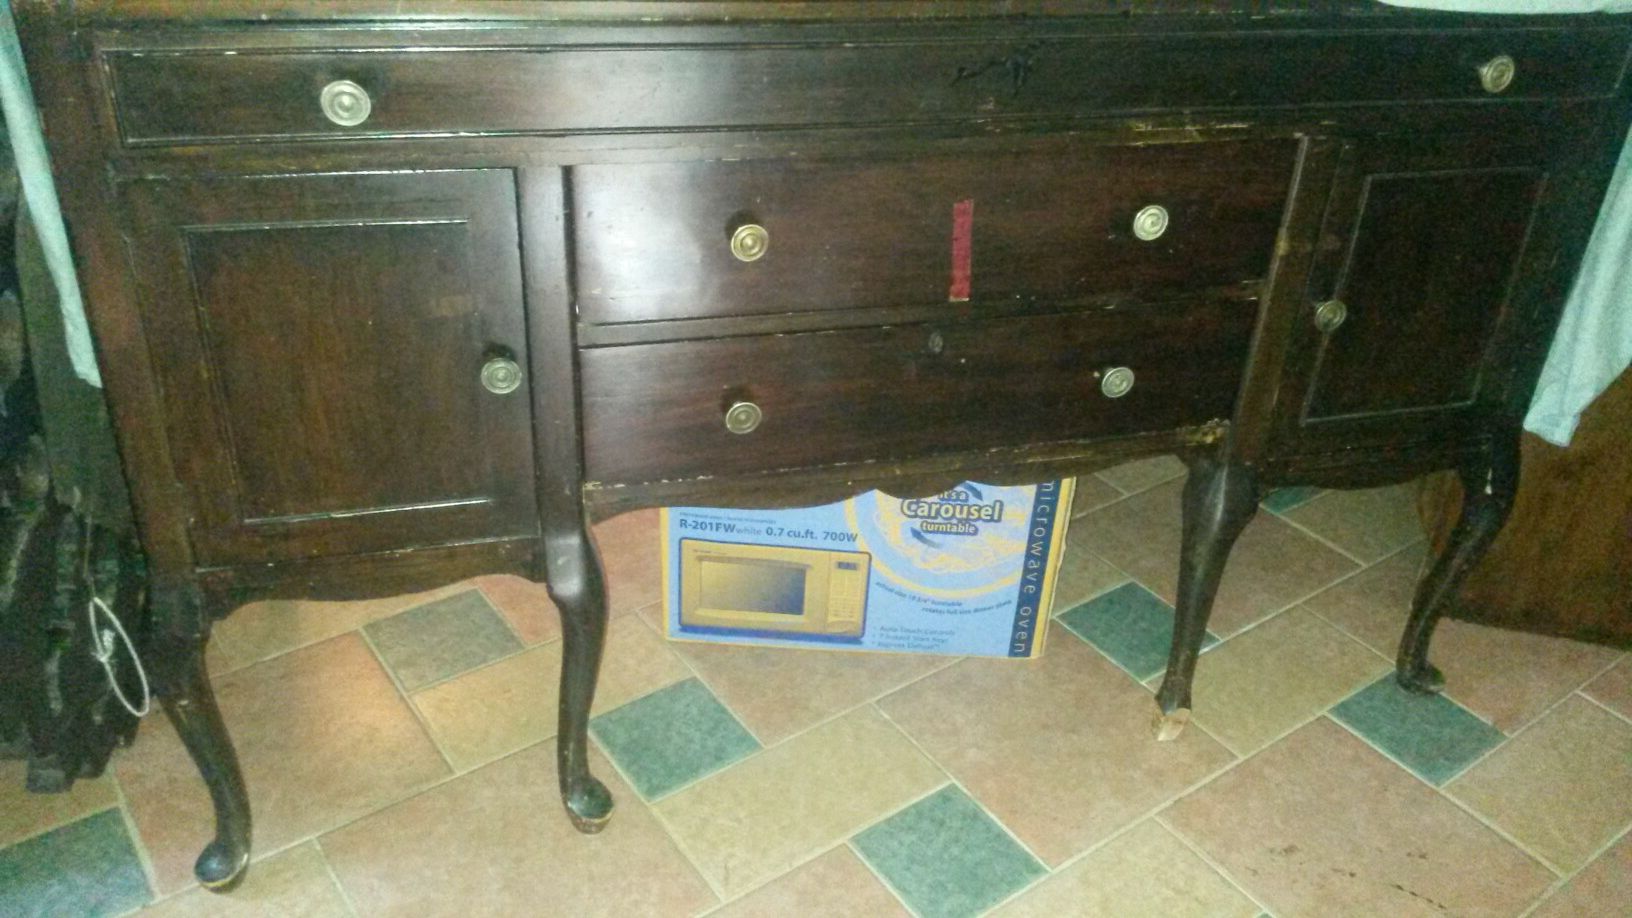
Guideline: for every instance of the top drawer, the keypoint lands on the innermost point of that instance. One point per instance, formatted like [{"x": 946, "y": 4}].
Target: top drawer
[{"x": 181, "y": 95}]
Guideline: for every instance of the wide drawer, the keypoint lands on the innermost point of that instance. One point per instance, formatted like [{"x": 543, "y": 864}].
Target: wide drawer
[
  {"x": 654, "y": 241},
  {"x": 897, "y": 393},
  {"x": 199, "y": 88}
]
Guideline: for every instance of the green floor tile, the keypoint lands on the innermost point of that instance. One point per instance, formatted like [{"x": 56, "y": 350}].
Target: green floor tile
[
  {"x": 1430, "y": 734},
  {"x": 85, "y": 868},
  {"x": 1131, "y": 625},
  {"x": 672, "y": 737},
  {"x": 441, "y": 639},
  {"x": 1281, "y": 500},
  {"x": 946, "y": 857}
]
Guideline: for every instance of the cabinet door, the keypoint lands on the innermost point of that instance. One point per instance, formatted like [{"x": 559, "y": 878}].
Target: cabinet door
[
  {"x": 1410, "y": 289},
  {"x": 321, "y": 342}
]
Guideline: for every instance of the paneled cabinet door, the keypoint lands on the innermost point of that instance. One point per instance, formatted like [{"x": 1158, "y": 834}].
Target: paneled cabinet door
[
  {"x": 341, "y": 359},
  {"x": 1412, "y": 285}
]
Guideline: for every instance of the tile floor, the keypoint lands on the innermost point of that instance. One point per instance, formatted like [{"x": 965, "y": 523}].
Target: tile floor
[{"x": 399, "y": 759}]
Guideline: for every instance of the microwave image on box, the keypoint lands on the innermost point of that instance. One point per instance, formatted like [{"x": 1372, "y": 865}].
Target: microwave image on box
[{"x": 778, "y": 590}]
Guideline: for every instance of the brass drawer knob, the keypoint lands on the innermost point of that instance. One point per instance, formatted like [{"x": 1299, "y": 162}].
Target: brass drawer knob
[
  {"x": 1497, "y": 73},
  {"x": 1330, "y": 316},
  {"x": 750, "y": 241},
  {"x": 743, "y": 417},
  {"x": 501, "y": 376},
  {"x": 1116, "y": 382},
  {"x": 345, "y": 103},
  {"x": 1150, "y": 223}
]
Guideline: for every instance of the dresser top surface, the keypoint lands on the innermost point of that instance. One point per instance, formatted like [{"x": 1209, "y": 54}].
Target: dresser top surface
[{"x": 711, "y": 10}]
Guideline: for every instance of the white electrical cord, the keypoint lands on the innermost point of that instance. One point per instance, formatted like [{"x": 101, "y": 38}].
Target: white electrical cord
[{"x": 103, "y": 652}]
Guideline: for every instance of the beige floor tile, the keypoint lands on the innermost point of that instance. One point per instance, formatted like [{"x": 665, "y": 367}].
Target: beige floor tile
[
  {"x": 1614, "y": 688},
  {"x": 1132, "y": 477},
  {"x": 1506, "y": 677},
  {"x": 1563, "y": 787},
  {"x": 1258, "y": 685},
  {"x": 24, "y": 815},
  {"x": 1369, "y": 524},
  {"x": 633, "y": 560},
  {"x": 525, "y": 605},
  {"x": 322, "y": 735},
  {"x": 291, "y": 884},
  {"x": 835, "y": 885},
  {"x": 1603, "y": 887},
  {"x": 1083, "y": 575},
  {"x": 779, "y": 691},
  {"x": 1058, "y": 749},
  {"x": 263, "y": 630},
  {"x": 497, "y": 842},
  {"x": 1273, "y": 564},
  {"x": 1321, "y": 824},
  {"x": 1143, "y": 872},
  {"x": 1372, "y": 605},
  {"x": 493, "y": 711},
  {"x": 1092, "y": 492},
  {"x": 755, "y": 820}
]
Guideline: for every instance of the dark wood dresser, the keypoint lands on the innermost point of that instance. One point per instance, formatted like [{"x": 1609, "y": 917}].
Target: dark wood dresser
[{"x": 389, "y": 293}]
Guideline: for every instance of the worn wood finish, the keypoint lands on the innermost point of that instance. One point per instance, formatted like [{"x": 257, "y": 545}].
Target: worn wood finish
[
  {"x": 658, "y": 411},
  {"x": 314, "y": 327},
  {"x": 653, "y": 240},
  {"x": 1220, "y": 499},
  {"x": 292, "y": 314}
]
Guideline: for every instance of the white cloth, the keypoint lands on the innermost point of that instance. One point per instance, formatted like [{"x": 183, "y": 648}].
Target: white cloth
[
  {"x": 1519, "y": 6},
  {"x": 34, "y": 172},
  {"x": 1594, "y": 342}
]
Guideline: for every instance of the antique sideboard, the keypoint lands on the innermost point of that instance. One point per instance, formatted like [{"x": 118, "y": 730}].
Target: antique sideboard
[{"x": 389, "y": 293}]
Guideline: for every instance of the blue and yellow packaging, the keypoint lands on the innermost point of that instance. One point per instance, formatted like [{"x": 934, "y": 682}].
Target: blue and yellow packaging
[{"x": 969, "y": 571}]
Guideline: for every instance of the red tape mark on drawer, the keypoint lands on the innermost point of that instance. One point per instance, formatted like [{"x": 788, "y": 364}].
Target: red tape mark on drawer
[{"x": 963, "y": 230}]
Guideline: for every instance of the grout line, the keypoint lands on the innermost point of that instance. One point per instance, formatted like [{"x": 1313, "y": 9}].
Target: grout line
[
  {"x": 882, "y": 880},
  {"x": 408, "y": 702},
  {"x": 1317, "y": 536},
  {"x": 143, "y": 856},
  {"x": 345, "y": 894},
  {"x": 1559, "y": 884},
  {"x": 1591, "y": 700},
  {"x": 1445, "y": 795},
  {"x": 979, "y": 804},
  {"x": 1217, "y": 867}
]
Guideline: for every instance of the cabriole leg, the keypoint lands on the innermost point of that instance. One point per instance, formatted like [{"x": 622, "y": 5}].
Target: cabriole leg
[
  {"x": 189, "y": 701},
  {"x": 1220, "y": 498},
  {"x": 1489, "y": 485},
  {"x": 575, "y": 583}
]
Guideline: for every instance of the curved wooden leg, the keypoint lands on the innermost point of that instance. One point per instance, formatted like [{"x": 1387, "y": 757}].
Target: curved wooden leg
[
  {"x": 1220, "y": 498},
  {"x": 575, "y": 583},
  {"x": 1488, "y": 488},
  {"x": 184, "y": 689}
]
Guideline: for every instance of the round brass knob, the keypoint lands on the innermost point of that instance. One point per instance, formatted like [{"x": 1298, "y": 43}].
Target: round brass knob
[
  {"x": 1116, "y": 382},
  {"x": 345, "y": 103},
  {"x": 1497, "y": 73},
  {"x": 743, "y": 417},
  {"x": 1150, "y": 223},
  {"x": 501, "y": 376},
  {"x": 750, "y": 241},
  {"x": 1330, "y": 316}
]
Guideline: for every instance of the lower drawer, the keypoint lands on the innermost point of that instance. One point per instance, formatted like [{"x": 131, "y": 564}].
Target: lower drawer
[{"x": 901, "y": 392}]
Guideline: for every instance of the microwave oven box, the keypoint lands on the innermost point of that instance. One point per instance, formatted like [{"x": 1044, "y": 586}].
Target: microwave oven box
[{"x": 970, "y": 571}]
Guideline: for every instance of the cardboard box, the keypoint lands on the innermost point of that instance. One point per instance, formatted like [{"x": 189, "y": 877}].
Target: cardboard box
[{"x": 970, "y": 571}]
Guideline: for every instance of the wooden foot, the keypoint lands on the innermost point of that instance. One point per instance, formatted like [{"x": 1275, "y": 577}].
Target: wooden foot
[
  {"x": 1489, "y": 485},
  {"x": 575, "y": 583},
  {"x": 1168, "y": 726},
  {"x": 189, "y": 701},
  {"x": 1220, "y": 498}
]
